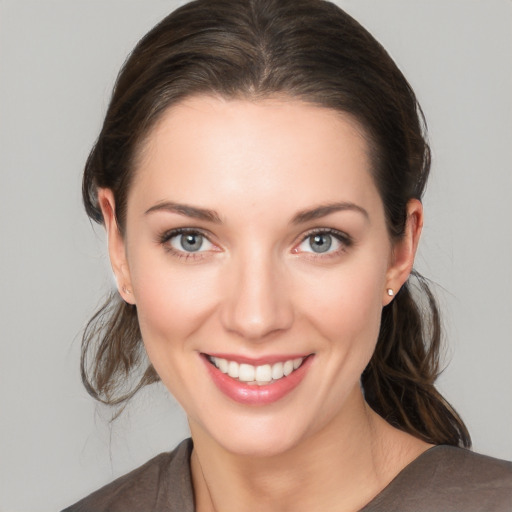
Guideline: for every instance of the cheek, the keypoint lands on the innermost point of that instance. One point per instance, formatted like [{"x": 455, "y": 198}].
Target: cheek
[
  {"x": 346, "y": 304},
  {"x": 173, "y": 304},
  {"x": 172, "y": 301}
]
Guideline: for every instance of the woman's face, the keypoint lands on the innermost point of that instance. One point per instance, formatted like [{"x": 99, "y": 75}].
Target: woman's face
[{"x": 255, "y": 242}]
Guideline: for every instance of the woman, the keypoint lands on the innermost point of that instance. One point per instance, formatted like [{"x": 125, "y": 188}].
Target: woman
[{"x": 259, "y": 174}]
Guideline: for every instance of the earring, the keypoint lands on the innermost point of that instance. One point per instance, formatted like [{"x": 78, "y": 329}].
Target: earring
[
  {"x": 126, "y": 290},
  {"x": 390, "y": 292}
]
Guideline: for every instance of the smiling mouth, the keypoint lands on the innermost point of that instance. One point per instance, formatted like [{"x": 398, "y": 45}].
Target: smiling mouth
[{"x": 260, "y": 375}]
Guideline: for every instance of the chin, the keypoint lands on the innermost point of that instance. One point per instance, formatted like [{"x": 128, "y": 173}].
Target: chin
[
  {"x": 261, "y": 446},
  {"x": 246, "y": 436}
]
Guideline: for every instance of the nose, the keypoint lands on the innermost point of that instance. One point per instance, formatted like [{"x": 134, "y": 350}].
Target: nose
[{"x": 257, "y": 301}]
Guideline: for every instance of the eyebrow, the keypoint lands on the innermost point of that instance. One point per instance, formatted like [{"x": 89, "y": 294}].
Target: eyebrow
[
  {"x": 186, "y": 210},
  {"x": 324, "y": 210},
  {"x": 212, "y": 216}
]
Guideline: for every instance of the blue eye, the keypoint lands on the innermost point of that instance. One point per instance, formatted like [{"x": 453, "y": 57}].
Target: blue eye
[
  {"x": 189, "y": 241},
  {"x": 323, "y": 242},
  {"x": 320, "y": 243}
]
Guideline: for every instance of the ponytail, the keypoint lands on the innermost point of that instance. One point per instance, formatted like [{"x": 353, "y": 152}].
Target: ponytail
[
  {"x": 112, "y": 352},
  {"x": 399, "y": 380}
]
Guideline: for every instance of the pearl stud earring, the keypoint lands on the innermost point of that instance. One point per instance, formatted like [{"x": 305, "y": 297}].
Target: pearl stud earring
[{"x": 390, "y": 292}]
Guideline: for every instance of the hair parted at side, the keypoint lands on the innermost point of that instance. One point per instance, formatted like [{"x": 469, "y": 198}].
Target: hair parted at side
[{"x": 305, "y": 49}]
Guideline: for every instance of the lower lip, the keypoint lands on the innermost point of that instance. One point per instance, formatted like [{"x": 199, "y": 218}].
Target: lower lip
[{"x": 253, "y": 394}]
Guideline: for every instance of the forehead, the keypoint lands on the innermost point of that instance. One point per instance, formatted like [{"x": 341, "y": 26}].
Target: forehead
[{"x": 207, "y": 149}]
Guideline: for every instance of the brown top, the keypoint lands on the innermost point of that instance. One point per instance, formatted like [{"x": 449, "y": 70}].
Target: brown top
[{"x": 443, "y": 478}]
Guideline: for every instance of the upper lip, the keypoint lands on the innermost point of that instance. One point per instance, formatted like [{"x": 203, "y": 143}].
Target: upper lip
[{"x": 258, "y": 361}]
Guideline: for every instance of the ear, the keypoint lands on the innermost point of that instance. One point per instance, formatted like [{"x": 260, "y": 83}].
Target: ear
[
  {"x": 404, "y": 251},
  {"x": 116, "y": 246}
]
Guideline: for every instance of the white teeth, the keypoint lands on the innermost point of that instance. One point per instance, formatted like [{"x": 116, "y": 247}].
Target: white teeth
[
  {"x": 288, "y": 368},
  {"x": 263, "y": 373},
  {"x": 257, "y": 375},
  {"x": 246, "y": 372},
  {"x": 277, "y": 371},
  {"x": 222, "y": 364},
  {"x": 233, "y": 369}
]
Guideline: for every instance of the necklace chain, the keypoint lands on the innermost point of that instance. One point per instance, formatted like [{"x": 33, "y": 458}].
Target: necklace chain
[{"x": 205, "y": 482}]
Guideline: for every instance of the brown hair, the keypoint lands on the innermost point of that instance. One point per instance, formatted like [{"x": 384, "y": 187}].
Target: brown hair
[{"x": 313, "y": 51}]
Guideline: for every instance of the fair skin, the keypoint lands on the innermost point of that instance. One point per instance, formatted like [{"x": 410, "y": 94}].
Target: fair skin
[{"x": 229, "y": 250}]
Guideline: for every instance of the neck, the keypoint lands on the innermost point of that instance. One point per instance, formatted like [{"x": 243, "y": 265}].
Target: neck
[{"x": 342, "y": 467}]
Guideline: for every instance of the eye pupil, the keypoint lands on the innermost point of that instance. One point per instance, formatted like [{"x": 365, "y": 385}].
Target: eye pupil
[
  {"x": 320, "y": 242},
  {"x": 191, "y": 242}
]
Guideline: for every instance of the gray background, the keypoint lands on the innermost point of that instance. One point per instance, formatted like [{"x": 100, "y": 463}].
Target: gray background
[{"x": 58, "y": 60}]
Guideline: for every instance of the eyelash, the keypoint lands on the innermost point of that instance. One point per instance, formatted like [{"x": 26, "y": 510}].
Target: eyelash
[
  {"x": 345, "y": 240},
  {"x": 165, "y": 237}
]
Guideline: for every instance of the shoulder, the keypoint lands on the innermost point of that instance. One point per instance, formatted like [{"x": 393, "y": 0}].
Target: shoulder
[
  {"x": 450, "y": 479},
  {"x": 163, "y": 483},
  {"x": 458, "y": 469}
]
